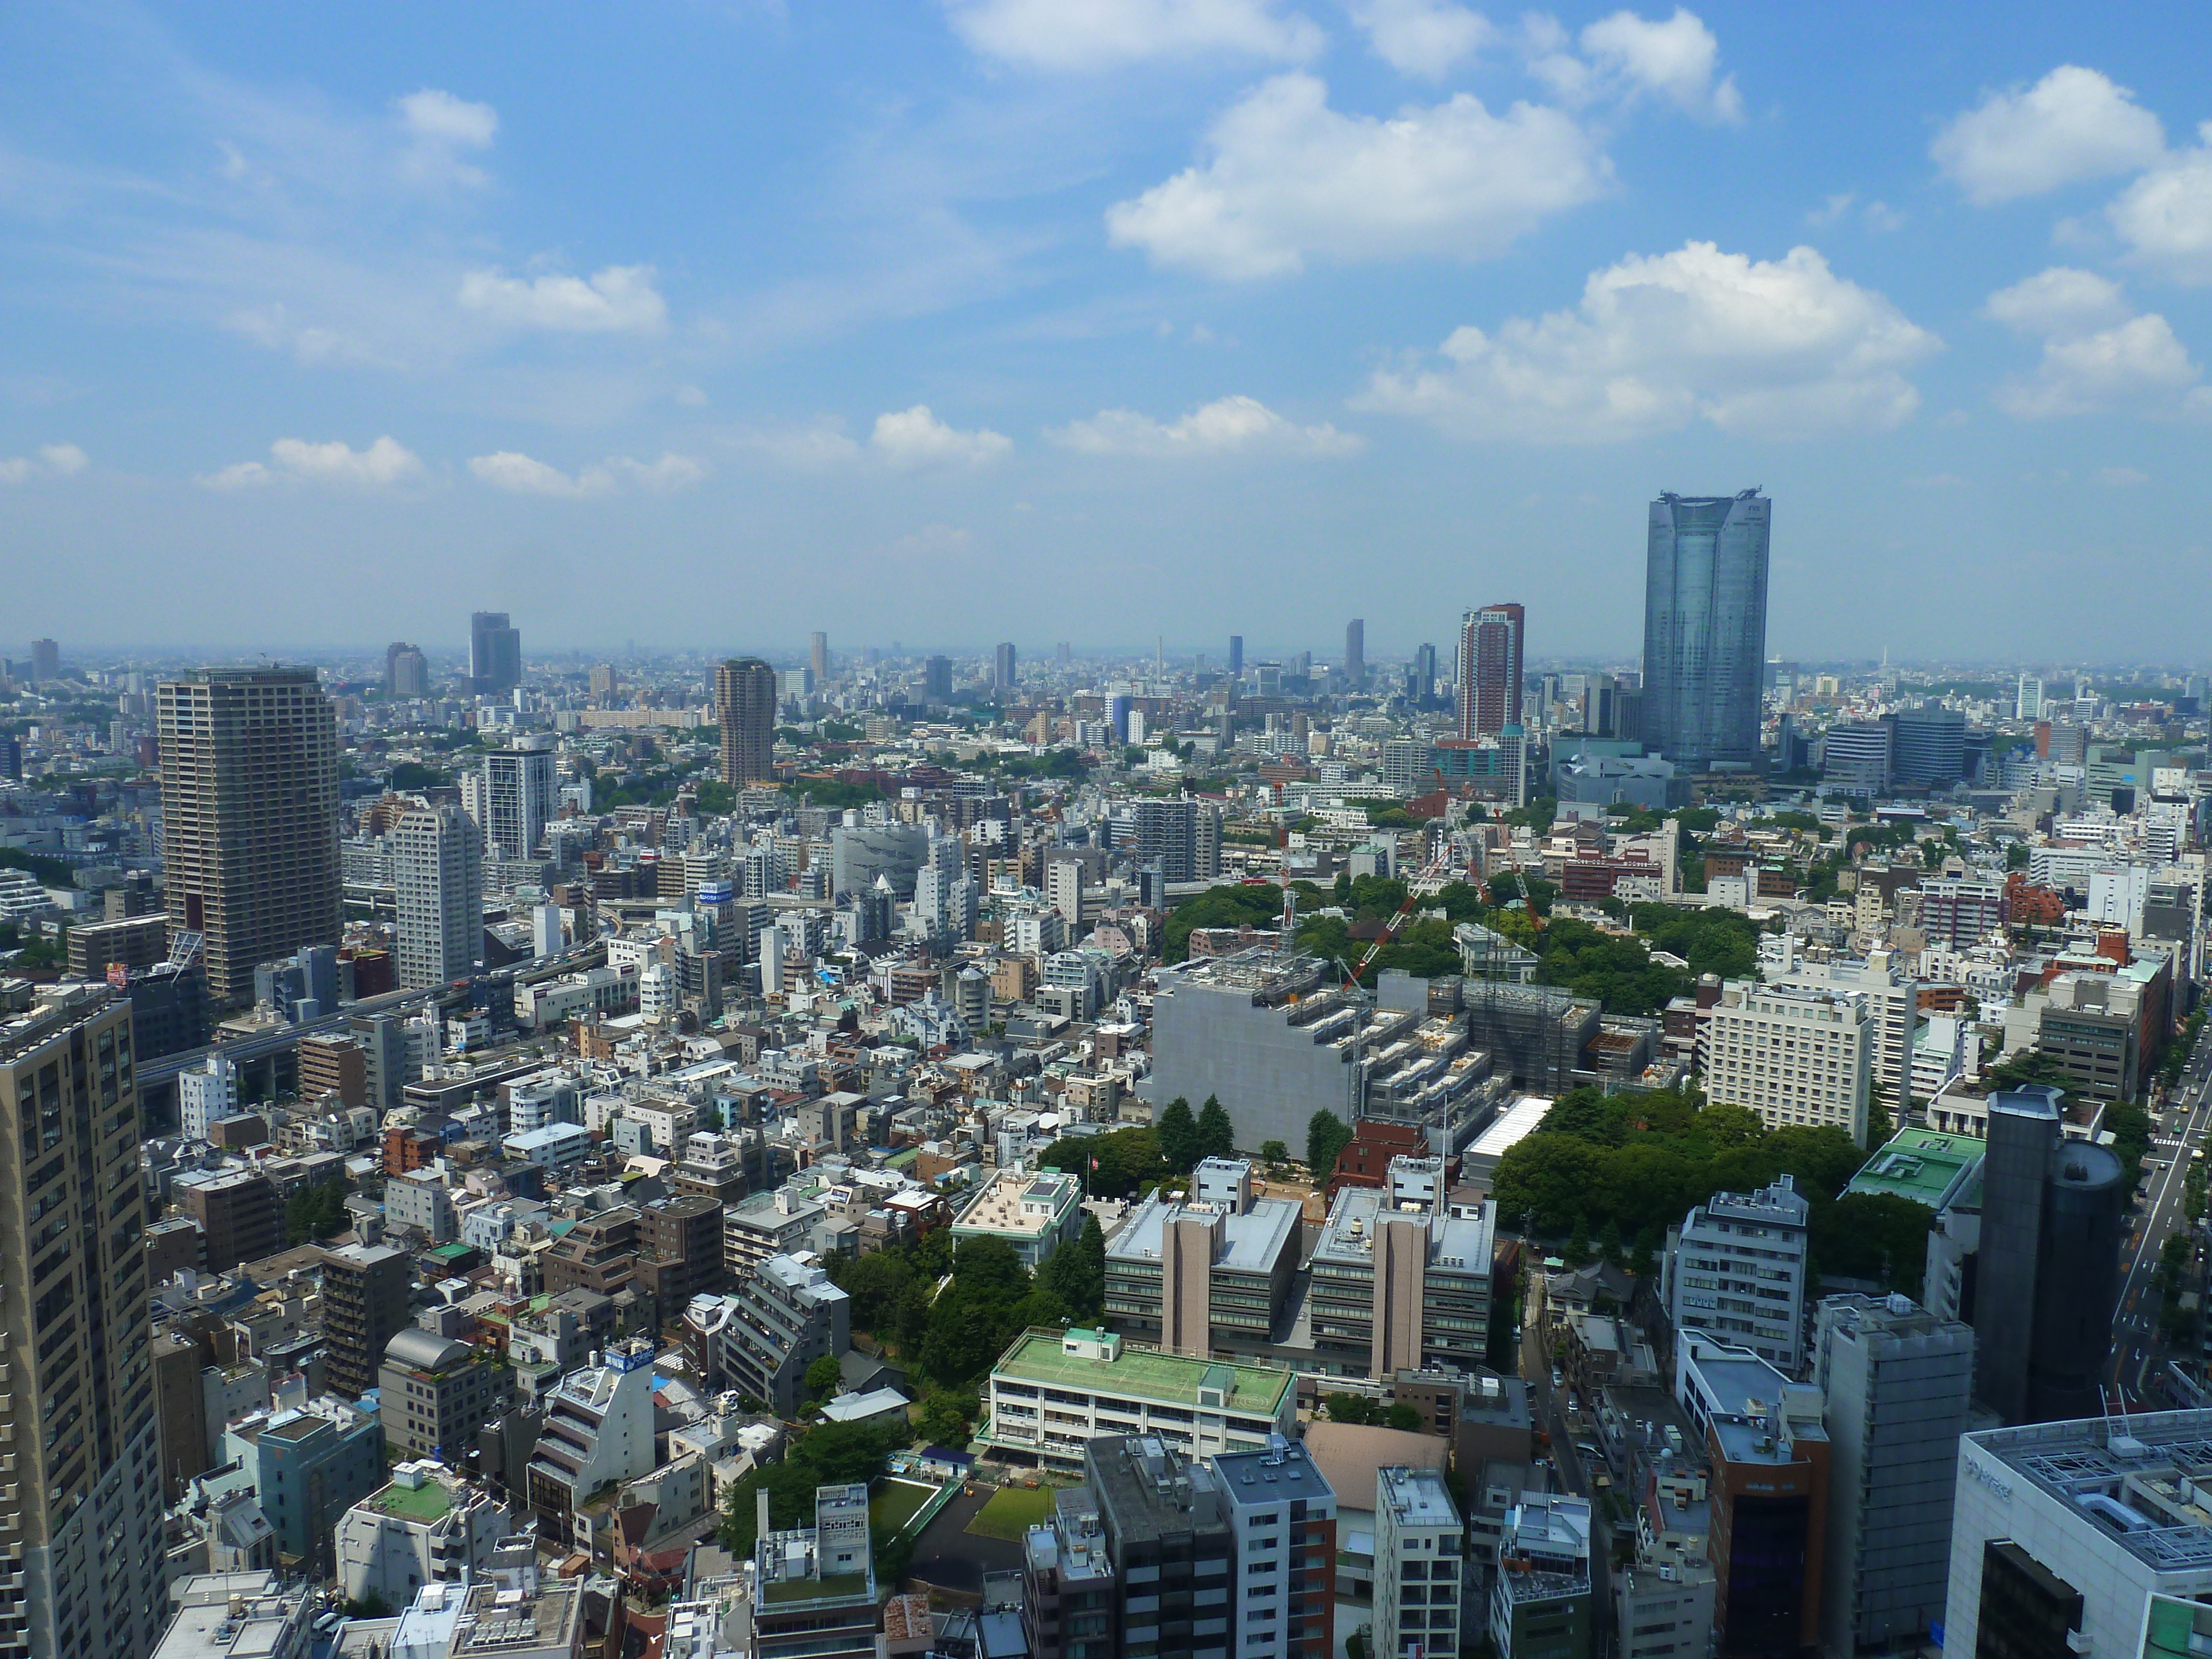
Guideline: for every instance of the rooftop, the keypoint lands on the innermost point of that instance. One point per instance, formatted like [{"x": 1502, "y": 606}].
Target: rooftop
[
  {"x": 1251, "y": 1240},
  {"x": 1262, "y": 1477},
  {"x": 1417, "y": 1498},
  {"x": 425, "y": 1502},
  {"x": 1925, "y": 1165},
  {"x": 1016, "y": 1201},
  {"x": 1141, "y": 1373},
  {"x": 2133, "y": 1479}
]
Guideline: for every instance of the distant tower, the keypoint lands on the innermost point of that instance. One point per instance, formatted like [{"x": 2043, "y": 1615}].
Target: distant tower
[
  {"x": 1489, "y": 670},
  {"x": 744, "y": 705},
  {"x": 1355, "y": 653},
  {"x": 494, "y": 652},
  {"x": 937, "y": 679},
  {"x": 1705, "y": 629},
  {"x": 1002, "y": 666},
  {"x": 1236, "y": 655},
  {"x": 45, "y": 660},
  {"x": 406, "y": 670},
  {"x": 817, "y": 656}
]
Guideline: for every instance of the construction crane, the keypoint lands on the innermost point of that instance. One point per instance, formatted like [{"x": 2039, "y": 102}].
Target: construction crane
[{"x": 1434, "y": 867}]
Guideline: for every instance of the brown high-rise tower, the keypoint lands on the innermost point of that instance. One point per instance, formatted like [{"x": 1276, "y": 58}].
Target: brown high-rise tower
[
  {"x": 1489, "y": 670},
  {"x": 744, "y": 703},
  {"x": 250, "y": 817}
]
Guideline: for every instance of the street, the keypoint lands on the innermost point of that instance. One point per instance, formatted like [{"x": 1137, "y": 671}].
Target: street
[
  {"x": 1548, "y": 1405},
  {"x": 2178, "y": 1131}
]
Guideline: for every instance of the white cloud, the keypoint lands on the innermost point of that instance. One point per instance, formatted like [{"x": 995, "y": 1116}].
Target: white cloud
[
  {"x": 1877, "y": 217},
  {"x": 1235, "y": 425},
  {"x": 619, "y": 299},
  {"x": 1767, "y": 347},
  {"x": 1099, "y": 35},
  {"x": 272, "y": 327},
  {"x": 2165, "y": 216},
  {"x": 52, "y": 461},
  {"x": 818, "y": 445},
  {"x": 2121, "y": 477},
  {"x": 1426, "y": 37},
  {"x": 439, "y": 127},
  {"x": 2074, "y": 123},
  {"x": 691, "y": 396},
  {"x": 1287, "y": 178},
  {"x": 521, "y": 475},
  {"x": 1674, "y": 60},
  {"x": 384, "y": 463},
  {"x": 915, "y": 437},
  {"x": 2097, "y": 354}
]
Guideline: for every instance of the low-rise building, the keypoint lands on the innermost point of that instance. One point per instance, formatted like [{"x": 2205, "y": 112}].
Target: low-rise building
[
  {"x": 240, "y": 1615},
  {"x": 309, "y": 1464},
  {"x": 433, "y": 1394},
  {"x": 427, "y": 1526},
  {"x": 1034, "y": 1214}
]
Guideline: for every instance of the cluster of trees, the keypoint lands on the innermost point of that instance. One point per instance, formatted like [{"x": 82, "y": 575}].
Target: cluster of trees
[
  {"x": 2177, "y": 1051},
  {"x": 50, "y": 871},
  {"x": 829, "y": 1454},
  {"x": 317, "y": 1212},
  {"x": 1357, "y": 1408},
  {"x": 1236, "y": 905},
  {"x": 1326, "y": 1134},
  {"x": 1618, "y": 1170},
  {"x": 1123, "y": 1164},
  {"x": 836, "y": 794},
  {"x": 1185, "y": 1142}
]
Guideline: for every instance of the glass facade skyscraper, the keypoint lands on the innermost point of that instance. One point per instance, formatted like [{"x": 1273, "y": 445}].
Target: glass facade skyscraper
[{"x": 1705, "y": 629}]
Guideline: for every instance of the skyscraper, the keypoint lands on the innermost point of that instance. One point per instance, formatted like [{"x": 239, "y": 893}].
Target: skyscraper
[
  {"x": 1489, "y": 670},
  {"x": 1236, "y": 655},
  {"x": 249, "y": 808},
  {"x": 1355, "y": 653},
  {"x": 521, "y": 796},
  {"x": 937, "y": 679},
  {"x": 494, "y": 652},
  {"x": 81, "y": 1510},
  {"x": 817, "y": 656},
  {"x": 45, "y": 660},
  {"x": 744, "y": 704},
  {"x": 1002, "y": 666},
  {"x": 406, "y": 670},
  {"x": 437, "y": 868},
  {"x": 1705, "y": 629}
]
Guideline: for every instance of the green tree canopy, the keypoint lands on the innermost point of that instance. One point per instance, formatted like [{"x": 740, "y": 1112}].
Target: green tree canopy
[
  {"x": 1326, "y": 1136},
  {"x": 1214, "y": 1136},
  {"x": 1177, "y": 1133}
]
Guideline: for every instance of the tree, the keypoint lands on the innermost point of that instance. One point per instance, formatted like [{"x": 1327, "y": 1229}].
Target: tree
[
  {"x": 1326, "y": 1136},
  {"x": 1216, "y": 1138},
  {"x": 1075, "y": 1273},
  {"x": 1345, "y": 1408},
  {"x": 1577, "y": 1253},
  {"x": 946, "y": 1416},
  {"x": 1273, "y": 1153},
  {"x": 1608, "y": 1240},
  {"x": 1176, "y": 1132},
  {"x": 1403, "y": 1417},
  {"x": 822, "y": 1377}
]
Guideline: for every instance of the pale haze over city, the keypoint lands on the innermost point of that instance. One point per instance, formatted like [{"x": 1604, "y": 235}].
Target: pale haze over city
[{"x": 1065, "y": 828}]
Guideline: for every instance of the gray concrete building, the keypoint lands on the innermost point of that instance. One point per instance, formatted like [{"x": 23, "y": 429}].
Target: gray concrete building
[
  {"x": 1897, "y": 1381},
  {"x": 1213, "y": 1272},
  {"x": 1396, "y": 1290},
  {"x": 787, "y": 1315},
  {"x": 1735, "y": 1268}
]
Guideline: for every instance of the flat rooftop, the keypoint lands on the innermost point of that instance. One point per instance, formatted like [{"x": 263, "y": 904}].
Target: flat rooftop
[
  {"x": 1925, "y": 1165},
  {"x": 1415, "y": 1497},
  {"x": 1253, "y": 1478},
  {"x": 1515, "y": 1123},
  {"x": 1141, "y": 1373},
  {"x": 1455, "y": 1242},
  {"x": 2135, "y": 1485},
  {"x": 1018, "y": 1202},
  {"x": 425, "y": 1502},
  {"x": 1251, "y": 1242}
]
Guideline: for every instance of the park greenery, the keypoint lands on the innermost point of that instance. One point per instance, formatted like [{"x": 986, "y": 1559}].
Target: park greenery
[
  {"x": 1620, "y": 1168},
  {"x": 317, "y": 1213},
  {"x": 1358, "y": 1408},
  {"x": 826, "y": 1455}
]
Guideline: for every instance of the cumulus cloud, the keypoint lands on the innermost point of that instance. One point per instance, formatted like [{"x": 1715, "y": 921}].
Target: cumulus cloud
[
  {"x": 2165, "y": 217},
  {"x": 620, "y": 299},
  {"x": 1235, "y": 425},
  {"x": 1099, "y": 35},
  {"x": 439, "y": 127},
  {"x": 522, "y": 475},
  {"x": 1781, "y": 347},
  {"x": 2097, "y": 354},
  {"x": 1674, "y": 60},
  {"x": 52, "y": 461},
  {"x": 1287, "y": 178},
  {"x": 2074, "y": 123},
  {"x": 915, "y": 437},
  {"x": 294, "y": 460},
  {"x": 1423, "y": 37}
]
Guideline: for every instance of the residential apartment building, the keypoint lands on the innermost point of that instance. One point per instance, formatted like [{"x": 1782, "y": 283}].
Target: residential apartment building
[
  {"x": 1892, "y": 994},
  {"x": 765, "y": 1225},
  {"x": 1052, "y": 1392},
  {"x": 1282, "y": 1524},
  {"x": 1168, "y": 1532},
  {"x": 365, "y": 1288},
  {"x": 1541, "y": 1600},
  {"x": 1420, "y": 1562},
  {"x": 1799, "y": 1057},
  {"x": 81, "y": 1539},
  {"x": 521, "y": 796},
  {"x": 787, "y": 1315},
  {"x": 598, "y": 1430},
  {"x": 309, "y": 1464},
  {"x": 427, "y": 1526},
  {"x": 1735, "y": 1267},
  {"x": 437, "y": 867},
  {"x": 238, "y": 1213},
  {"x": 1068, "y": 1594},
  {"x": 433, "y": 1394},
  {"x": 816, "y": 1597}
]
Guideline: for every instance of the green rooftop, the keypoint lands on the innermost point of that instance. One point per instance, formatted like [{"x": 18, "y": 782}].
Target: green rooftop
[
  {"x": 1143, "y": 1374},
  {"x": 1925, "y": 1165},
  {"x": 424, "y": 1502},
  {"x": 838, "y": 1587}
]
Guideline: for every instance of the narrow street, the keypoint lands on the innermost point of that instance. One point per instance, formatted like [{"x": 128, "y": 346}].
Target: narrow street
[{"x": 2179, "y": 1130}]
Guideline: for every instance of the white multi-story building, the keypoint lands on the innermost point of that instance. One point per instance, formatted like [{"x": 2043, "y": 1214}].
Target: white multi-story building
[
  {"x": 521, "y": 797},
  {"x": 437, "y": 867},
  {"x": 598, "y": 1430},
  {"x": 1063, "y": 890},
  {"x": 207, "y": 1094},
  {"x": 1282, "y": 1515},
  {"x": 659, "y": 997},
  {"x": 1420, "y": 1562},
  {"x": 428, "y": 1526},
  {"x": 1735, "y": 1267},
  {"x": 1883, "y": 977},
  {"x": 1798, "y": 1056}
]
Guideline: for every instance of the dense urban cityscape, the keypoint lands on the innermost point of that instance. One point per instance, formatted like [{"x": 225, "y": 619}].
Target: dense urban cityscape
[{"x": 1104, "y": 830}]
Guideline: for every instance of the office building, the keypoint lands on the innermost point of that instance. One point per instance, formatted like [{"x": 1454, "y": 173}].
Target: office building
[
  {"x": 1799, "y": 1057},
  {"x": 249, "y": 805},
  {"x": 1959, "y": 912},
  {"x": 1054, "y": 1391},
  {"x": 1068, "y": 1581},
  {"x": 1034, "y": 1213},
  {"x": 1266, "y": 1033},
  {"x": 1856, "y": 757},
  {"x": 817, "y": 1595},
  {"x": 365, "y": 1289},
  {"x": 238, "y": 1211},
  {"x": 1883, "y": 978},
  {"x": 495, "y": 652},
  {"x": 1181, "y": 836},
  {"x": 787, "y": 1315},
  {"x": 1705, "y": 629},
  {"x": 1767, "y": 1489},
  {"x": 309, "y": 1464},
  {"x": 1399, "y": 1284},
  {"x": 1735, "y": 1268},
  {"x": 1897, "y": 1381},
  {"x": 1542, "y": 1603},
  {"x": 2062, "y": 1532},
  {"x": 937, "y": 679},
  {"x": 2054, "y": 1219},
  {"x": 435, "y": 1394},
  {"x": 45, "y": 661},
  {"x": 437, "y": 867},
  {"x": 81, "y": 1541},
  {"x": 598, "y": 1430},
  {"x": 427, "y": 1526},
  {"x": 1489, "y": 670},
  {"x": 817, "y": 656},
  {"x": 1282, "y": 1525},
  {"x": 248, "y": 1614},
  {"x": 1355, "y": 654},
  {"x": 406, "y": 670},
  {"x": 1235, "y": 656},
  {"x": 1929, "y": 747},
  {"x": 1003, "y": 666},
  {"x": 521, "y": 796},
  {"x": 168, "y": 1009},
  {"x": 1213, "y": 1272},
  {"x": 2027, "y": 699},
  {"x": 1167, "y": 1528},
  {"x": 745, "y": 708},
  {"x": 1425, "y": 675}
]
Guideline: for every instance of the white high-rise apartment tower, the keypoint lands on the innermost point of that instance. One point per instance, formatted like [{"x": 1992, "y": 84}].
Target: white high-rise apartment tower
[
  {"x": 521, "y": 797},
  {"x": 437, "y": 867}
]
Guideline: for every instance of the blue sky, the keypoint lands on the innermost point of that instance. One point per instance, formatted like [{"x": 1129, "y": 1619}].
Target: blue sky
[{"x": 708, "y": 324}]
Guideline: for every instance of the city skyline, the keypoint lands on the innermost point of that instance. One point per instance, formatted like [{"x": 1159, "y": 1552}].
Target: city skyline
[{"x": 975, "y": 298}]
